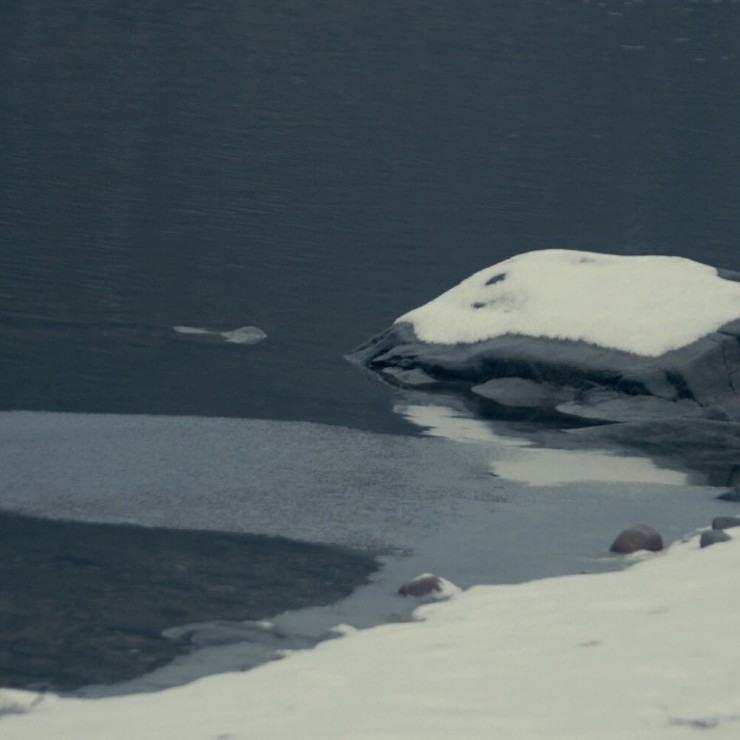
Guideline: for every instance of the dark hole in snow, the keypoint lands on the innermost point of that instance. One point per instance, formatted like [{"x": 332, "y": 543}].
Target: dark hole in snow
[
  {"x": 496, "y": 278},
  {"x": 478, "y": 305}
]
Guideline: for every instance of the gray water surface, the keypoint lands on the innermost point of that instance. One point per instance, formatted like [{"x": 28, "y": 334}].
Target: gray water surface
[{"x": 317, "y": 169}]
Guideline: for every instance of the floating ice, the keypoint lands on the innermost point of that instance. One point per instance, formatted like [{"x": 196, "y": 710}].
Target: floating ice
[{"x": 243, "y": 335}]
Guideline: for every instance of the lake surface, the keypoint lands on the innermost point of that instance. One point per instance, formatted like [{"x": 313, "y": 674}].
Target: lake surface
[{"x": 315, "y": 169}]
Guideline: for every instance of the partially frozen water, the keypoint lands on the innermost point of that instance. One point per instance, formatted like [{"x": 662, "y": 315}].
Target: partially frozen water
[{"x": 421, "y": 503}]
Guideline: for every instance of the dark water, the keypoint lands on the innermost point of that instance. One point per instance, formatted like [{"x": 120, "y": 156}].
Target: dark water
[
  {"x": 132, "y": 583},
  {"x": 317, "y": 168}
]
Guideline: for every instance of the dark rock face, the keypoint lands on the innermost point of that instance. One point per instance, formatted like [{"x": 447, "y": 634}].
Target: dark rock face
[
  {"x": 725, "y": 522},
  {"x": 640, "y": 537},
  {"x": 421, "y": 586},
  {"x": 569, "y": 378},
  {"x": 524, "y": 394},
  {"x": 712, "y": 537}
]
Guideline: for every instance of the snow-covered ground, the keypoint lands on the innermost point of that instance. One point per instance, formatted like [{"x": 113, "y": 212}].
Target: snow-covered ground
[
  {"x": 647, "y": 304},
  {"x": 650, "y": 652}
]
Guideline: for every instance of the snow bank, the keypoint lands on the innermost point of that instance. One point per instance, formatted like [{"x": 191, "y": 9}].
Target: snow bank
[
  {"x": 646, "y": 305},
  {"x": 651, "y": 652}
]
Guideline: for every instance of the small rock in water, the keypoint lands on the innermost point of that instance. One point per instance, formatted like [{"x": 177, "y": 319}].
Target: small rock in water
[
  {"x": 732, "y": 495},
  {"x": 428, "y": 584},
  {"x": 421, "y": 585},
  {"x": 713, "y": 536},
  {"x": 725, "y": 522},
  {"x": 639, "y": 537}
]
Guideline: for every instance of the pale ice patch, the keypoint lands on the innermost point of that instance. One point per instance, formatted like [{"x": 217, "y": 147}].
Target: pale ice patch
[
  {"x": 242, "y": 335},
  {"x": 192, "y": 330},
  {"x": 543, "y": 466},
  {"x": 518, "y": 460},
  {"x": 453, "y": 424},
  {"x": 297, "y": 479},
  {"x": 646, "y": 305}
]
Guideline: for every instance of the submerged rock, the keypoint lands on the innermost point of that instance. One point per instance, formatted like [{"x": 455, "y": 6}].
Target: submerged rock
[
  {"x": 521, "y": 393},
  {"x": 576, "y": 334},
  {"x": 732, "y": 495},
  {"x": 639, "y": 537}
]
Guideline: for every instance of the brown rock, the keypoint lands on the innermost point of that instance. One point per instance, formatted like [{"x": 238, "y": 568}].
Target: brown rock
[
  {"x": 421, "y": 585},
  {"x": 639, "y": 537}
]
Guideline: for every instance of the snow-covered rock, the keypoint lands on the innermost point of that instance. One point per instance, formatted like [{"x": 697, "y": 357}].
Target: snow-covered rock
[
  {"x": 429, "y": 586},
  {"x": 578, "y": 334}
]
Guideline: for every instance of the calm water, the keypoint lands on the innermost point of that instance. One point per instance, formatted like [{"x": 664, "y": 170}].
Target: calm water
[{"x": 317, "y": 168}]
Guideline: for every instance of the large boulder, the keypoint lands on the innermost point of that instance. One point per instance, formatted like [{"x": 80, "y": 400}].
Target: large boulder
[{"x": 577, "y": 334}]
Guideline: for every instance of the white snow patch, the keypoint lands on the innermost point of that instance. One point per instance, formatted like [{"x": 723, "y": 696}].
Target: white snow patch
[
  {"x": 242, "y": 335},
  {"x": 650, "y": 653},
  {"x": 647, "y": 305},
  {"x": 447, "y": 589},
  {"x": 192, "y": 330}
]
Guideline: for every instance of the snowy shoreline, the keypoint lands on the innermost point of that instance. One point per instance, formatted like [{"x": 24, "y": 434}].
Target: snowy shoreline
[
  {"x": 647, "y": 652},
  {"x": 642, "y": 652}
]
